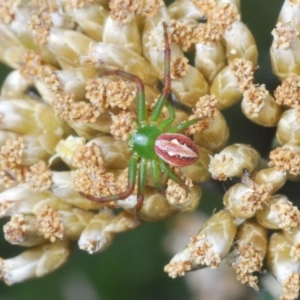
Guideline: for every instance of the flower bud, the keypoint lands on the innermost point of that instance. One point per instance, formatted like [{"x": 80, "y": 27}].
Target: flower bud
[
  {"x": 15, "y": 85},
  {"x": 23, "y": 230},
  {"x": 279, "y": 213},
  {"x": 274, "y": 179},
  {"x": 126, "y": 35},
  {"x": 285, "y": 57},
  {"x": 35, "y": 262},
  {"x": 293, "y": 235},
  {"x": 288, "y": 128},
  {"x": 90, "y": 19},
  {"x": 239, "y": 43},
  {"x": 282, "y": 266},
  {"x": 208, "y": 247},
  {"x": 62, "y": 188},
  {"x": 29, "y": 116},
  {"x": 100, "y": 232},
  {"x": 230, "y": 83},
  {"x": 215, "y": 134},
  {"x": 290, "y": 13},
  {"x": 155, "y": 208},
  {"x": 260, "y": 107},
  {"x": 209, "y": 58},
  {"x": 243, "y": 201},
  {"x": 198, "y": 171},
  {"x": 233, "y": 160},
  {"x": 251, "y": 250}
]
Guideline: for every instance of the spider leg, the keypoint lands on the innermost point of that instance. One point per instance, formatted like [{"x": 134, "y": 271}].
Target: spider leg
[
  {"x": 172, "y": 176},
  {"x": 167, "y": 80},
  {"x": 130, "y": 187},
  {"x": 184, "y": 125},
  {"x": 155, "y": 176},
  {"x": 141, "y": 184},
  {"x": 141, "y": 104},
  {"x": 166, "y": 123}
]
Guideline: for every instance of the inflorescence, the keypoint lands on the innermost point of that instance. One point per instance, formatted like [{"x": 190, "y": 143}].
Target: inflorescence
[{"x": 82, "y": 120}]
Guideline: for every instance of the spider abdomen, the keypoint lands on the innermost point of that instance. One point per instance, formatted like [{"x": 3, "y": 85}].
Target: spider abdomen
[{"x": 176, "y": 149}]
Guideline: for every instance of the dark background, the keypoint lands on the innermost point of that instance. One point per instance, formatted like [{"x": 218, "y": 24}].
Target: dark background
[{"x": 132, "y": 268}]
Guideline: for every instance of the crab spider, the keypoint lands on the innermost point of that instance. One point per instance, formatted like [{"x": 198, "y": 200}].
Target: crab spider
[{"x": 152, "y": 142}]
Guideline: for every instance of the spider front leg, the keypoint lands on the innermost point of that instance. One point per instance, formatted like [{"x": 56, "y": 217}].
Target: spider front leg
[
  {"x": 141, "y": 102},
  {"x": 132, "y": 167},
  {"x": 167, "y": 81}
]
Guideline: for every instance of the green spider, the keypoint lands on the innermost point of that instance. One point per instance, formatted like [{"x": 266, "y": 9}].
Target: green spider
[{"x": 152, "y": 142}]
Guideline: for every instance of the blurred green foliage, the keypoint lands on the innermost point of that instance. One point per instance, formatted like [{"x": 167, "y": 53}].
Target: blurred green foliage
[{"x": 132, "y": 268}]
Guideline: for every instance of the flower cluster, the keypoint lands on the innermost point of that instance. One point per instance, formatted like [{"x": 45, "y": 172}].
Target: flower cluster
[{"x": 65, "y": 126}]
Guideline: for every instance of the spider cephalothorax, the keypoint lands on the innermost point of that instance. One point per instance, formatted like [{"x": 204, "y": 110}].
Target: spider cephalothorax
[{"x": 152, "y": 142}]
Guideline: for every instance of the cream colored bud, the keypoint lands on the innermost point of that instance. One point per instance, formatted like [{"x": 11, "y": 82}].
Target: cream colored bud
[
  {"x": 243, "y": 201},
  {"x": 251, "y": 232},
  {"x": 125, "y": 35},
  {"x": 19, "y": 199},
  {"x": 118, "y": 57},
  {"x": 182, "y": 200},
  {"x": 23, "y": 230},
  {"x": 15, "y": 85},
  {"x": 260, "y": 107},
  {"x": 216, "y": 135},
  {"x": 29, "y": 116},
  {"x": 155, "y": 208},
  {"x": 100, "y": 232},
  {"x": 62, "y": 188},
  {"x": 288, "y": 128},
  {"x": 290, "y": 13},
  {"x": 286, "y": 159},
  {"x": 285, "y": 56},
  {"x": 90, "y": 130},
  {"x": 38, "y": 147},
  {"x": 282, "y": 266},
  {"x": 198, "y": 171},
  {"x": 226, "y": 89},
  {"x": 35, "y": 147},
  {"x": 184, "y": 9},
  {"x": 293, "y": 235},
  {"x": 57, "y": 219},
  {"x": 279, "y": 213},
  {"x": 210, "y": 59},
  {"x": 115, "y": 153},
  {"x": 75, "y": 220},
  {"x": 208, "y": 247},
  {"x": 189, "y": 88},
  {"x": 219, "y": 230},
  {"x": 91, "y": 19},
  {"x": 239, "y": 43},
  {"x": 65, "y": 148},
  {"x": 11, "y": 49},
  {"x": 94, "y": 237},
  {"x": 35, "y": 262},
  {"x": 68, "y": 46},
  {"x": 53, "y": 83},
  {"x": 232, "y": 161},
  {"x": 274, "y": 179},
  {"x": 74, "y": 80},
  {"x": 251, "y": 250}
]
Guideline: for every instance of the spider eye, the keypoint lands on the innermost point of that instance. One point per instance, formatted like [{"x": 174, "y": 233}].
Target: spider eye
[{"x": 176, "y": 149}]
